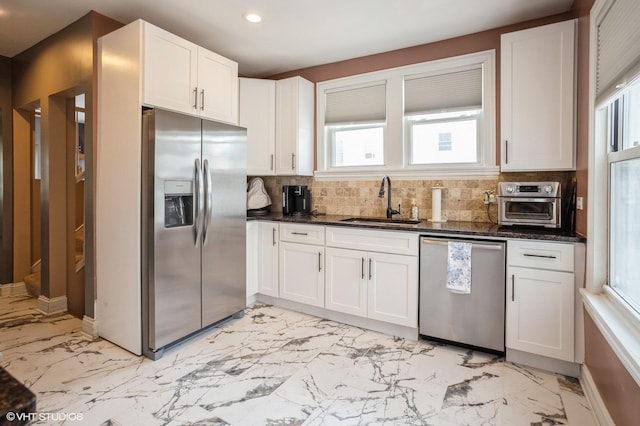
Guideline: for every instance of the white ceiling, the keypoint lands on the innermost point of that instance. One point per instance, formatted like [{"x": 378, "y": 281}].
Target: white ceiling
[{"x": 294, "y": 34}]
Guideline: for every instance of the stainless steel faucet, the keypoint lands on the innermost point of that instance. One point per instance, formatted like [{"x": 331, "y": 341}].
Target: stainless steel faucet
[{"x": 390, "y": 211}]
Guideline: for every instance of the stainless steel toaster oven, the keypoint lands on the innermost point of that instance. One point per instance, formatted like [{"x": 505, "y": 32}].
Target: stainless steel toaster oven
[{"x": 530, "y": 204}]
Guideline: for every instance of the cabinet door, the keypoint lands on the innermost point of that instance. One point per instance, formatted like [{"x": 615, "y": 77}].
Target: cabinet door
[
  {"x": 294, "y": 127},
  {"x": 540, "y": 308},
  {"x": 170, "y": 70},
  {"x": 393, "y": 288},
  {"x": 346, "y": 281},
  {"x": 258, "y": 115},
  {"x": 268, "y": 259},
  {"x": 537, "y": 98},
  {"x": 217, "y": 87},
  {"x": 302, "y": 273}
]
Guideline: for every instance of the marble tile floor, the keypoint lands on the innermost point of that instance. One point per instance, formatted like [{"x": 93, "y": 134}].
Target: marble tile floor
[{"x": 276, "y": 367}]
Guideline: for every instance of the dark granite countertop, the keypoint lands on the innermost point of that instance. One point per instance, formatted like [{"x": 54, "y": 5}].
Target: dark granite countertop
[
  {"x": 462, "y": 229},
  {"x": 15, "y": 399}
]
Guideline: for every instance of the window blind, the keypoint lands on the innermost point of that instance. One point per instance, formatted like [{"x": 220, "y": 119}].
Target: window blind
[
  {"x": 451, "y": 91},
  {"x": 618, "y": 46},
  {"x": 357, "y": 105}
]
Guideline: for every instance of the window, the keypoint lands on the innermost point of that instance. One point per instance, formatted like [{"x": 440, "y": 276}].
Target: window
[
  {"x": 355, "y": 119},
  {"x": 624, "y": 196},
  {"x": 612, "y": 296},
  {"x": 444, "y": 138},
  {"x": 443, "y": 104},
  {"x": 434, "y": 119},
  {"x": 357, "y": 146}
]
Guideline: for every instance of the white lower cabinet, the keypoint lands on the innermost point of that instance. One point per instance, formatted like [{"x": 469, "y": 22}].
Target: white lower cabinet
[
  {"x": 302, "y": 273},
  {"x": 267, "y": 258},
  {"x": 301, "y": 263},
  {"x": 380, "y": 286},
  {"x": 393, "y": 289},
  {"x": 346, "y": 281},
  {"x": 540, "y": 299}
]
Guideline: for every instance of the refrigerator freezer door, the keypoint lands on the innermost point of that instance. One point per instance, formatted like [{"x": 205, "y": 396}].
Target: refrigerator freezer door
[
  {"x": 224, "y": 158},
  {"x": 174, "y": 252}
]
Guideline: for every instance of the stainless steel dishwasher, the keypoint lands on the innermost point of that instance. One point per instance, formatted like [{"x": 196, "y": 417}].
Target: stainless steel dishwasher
[{"x": 475, "y": 319}]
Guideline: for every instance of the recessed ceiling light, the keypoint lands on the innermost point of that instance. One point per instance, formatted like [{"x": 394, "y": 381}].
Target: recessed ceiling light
[{"x": 252, "y": 17}]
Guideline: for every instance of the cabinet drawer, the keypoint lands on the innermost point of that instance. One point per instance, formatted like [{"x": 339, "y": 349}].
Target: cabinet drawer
[
  {"x": 540, "y": 255},
  {"x": 305, "y": 234},
  {"x": 378, "y": 241}
]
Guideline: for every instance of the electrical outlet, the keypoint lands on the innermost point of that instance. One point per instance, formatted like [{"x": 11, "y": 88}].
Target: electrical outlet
[{"x": 579, "y": 203}]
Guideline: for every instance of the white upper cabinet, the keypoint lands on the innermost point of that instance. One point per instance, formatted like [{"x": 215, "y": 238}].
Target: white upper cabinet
[
  {"x": 184, "y": 77},
  {"x": 294, "y": 127},
  {"x": 278, "y": 116},
  {"x": 258, "y": 115},
  {"x": 538, "y": 98}
]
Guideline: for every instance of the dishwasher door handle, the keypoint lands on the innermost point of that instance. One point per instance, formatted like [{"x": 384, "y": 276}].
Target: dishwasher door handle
[{"x": 496, "y": 246}]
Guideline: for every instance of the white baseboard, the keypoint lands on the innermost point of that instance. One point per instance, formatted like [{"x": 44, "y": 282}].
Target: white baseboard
[
  {"x": 251, "y": 299},
  {"x": 408, "y": 333},
  {"x": 13, "y": 289},
  {"x": 89, "y": 328},
  {"x": 599, "y": 409},
  {"x": 52, "y": 306}
]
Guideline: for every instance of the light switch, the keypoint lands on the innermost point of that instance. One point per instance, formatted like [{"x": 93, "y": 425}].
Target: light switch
[{"x": 579, "y": 201}]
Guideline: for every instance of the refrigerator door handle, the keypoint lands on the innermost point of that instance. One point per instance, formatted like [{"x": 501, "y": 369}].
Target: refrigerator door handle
[
  {"x": 208, "y": 196},
  {"x": 198, "y": 202}
]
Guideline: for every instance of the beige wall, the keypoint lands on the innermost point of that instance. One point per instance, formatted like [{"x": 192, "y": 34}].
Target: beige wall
[
  {"x": 6, "y": 173},
  {"x": 50, "y": 72}
]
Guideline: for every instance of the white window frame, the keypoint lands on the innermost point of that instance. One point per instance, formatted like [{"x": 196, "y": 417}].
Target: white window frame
[
  {"x": 396, "y": 150},
  {"x": 615, "y": 319}
]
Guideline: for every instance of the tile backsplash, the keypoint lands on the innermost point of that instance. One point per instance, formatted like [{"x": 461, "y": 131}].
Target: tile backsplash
[{"x": 462, "y": 200}]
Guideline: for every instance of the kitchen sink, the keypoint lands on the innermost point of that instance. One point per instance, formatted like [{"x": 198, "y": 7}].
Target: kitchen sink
[{"x": 380, "y": 220}]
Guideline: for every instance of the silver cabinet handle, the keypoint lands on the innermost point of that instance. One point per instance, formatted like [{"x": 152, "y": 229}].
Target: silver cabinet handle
[
  {"x": 513, "y": 294},
  {"x": 541, "y": 256},
  {"x": 363, "y": 268},
  {"x": 506, "y": 152},
  {"x": 293, "y": 161},
  {"x": 319, "y": 261},
  {"x": 299, "y": 233},
  {"x": 195, "y": 98},
  {"x": 273, "y": 236},
  {"x": 271, "y": 162},
  {"x": 202, "y": 100},
  {"x": 370, "y": 272}
]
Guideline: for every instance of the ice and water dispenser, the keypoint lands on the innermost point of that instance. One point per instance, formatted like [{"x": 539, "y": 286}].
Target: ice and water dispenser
[{"x": 178, "y": 203}]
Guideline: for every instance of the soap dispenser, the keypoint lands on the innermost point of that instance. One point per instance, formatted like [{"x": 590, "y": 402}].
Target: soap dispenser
[{"x": 414, "y": 209}]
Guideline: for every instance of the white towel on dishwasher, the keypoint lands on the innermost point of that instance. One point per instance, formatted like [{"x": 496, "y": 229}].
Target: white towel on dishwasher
[{"x": 459, "y": 267}]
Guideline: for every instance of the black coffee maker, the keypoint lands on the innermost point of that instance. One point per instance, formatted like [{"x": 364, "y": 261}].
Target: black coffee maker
[{"x": 296, "y": 200}]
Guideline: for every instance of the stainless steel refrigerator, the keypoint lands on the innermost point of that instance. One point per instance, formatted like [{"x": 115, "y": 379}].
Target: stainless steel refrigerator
[{"x": 194, "y": 216}]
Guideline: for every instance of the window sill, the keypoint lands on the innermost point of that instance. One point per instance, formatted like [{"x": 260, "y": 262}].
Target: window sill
[
  {"x": 411, "y": 174},
  {"x": 619, "y": 325}
]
